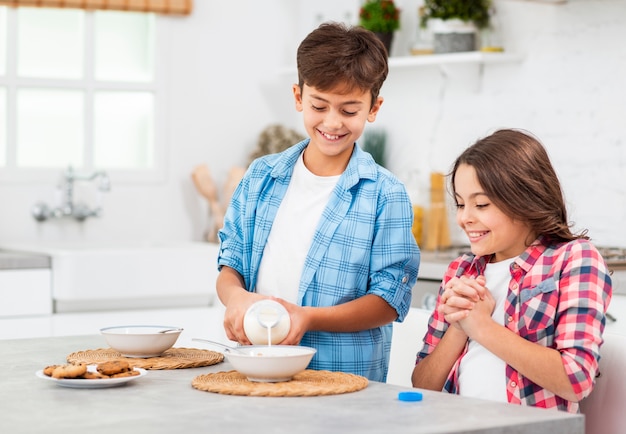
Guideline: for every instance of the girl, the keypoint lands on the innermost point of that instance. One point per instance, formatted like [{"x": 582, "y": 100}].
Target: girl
[{"x": 520, "y": 319}]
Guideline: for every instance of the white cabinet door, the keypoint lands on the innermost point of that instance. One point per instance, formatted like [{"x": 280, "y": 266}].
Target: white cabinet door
[{"x": 25, "y": 292}]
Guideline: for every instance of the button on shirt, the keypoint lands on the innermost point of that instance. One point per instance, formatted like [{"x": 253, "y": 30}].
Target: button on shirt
[
  {"x": 557, "y": 297},
  {"x": 363, "y": 244}
]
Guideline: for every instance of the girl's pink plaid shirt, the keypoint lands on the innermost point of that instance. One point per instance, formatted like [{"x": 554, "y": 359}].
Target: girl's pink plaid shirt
[{"x": 558, "y": 297}]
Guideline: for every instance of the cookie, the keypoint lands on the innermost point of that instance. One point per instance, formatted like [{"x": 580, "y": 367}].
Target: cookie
[
  {"x": 131, "y": 373},
  {"x": 113, "y": 367},
  {"x": 49, "y": 369},
  {"x": 69, "y": 371},
  {"x": 91, "y": 375}
]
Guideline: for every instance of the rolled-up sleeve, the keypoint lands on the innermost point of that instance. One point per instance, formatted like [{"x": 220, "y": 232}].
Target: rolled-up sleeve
[{"x": 585, "y": 293}]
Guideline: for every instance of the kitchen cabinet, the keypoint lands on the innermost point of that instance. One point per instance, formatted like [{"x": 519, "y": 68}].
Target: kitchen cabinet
[
  {"x": 25, "y": 284},
  {"x": 25, "y": 292},
  {"x": 433, "y": 266},
  {"x": 616, "y": 323},
  {"x": 112, "y": 276}
]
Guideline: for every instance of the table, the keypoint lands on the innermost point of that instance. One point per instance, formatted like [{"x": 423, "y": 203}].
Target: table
[{"x": 165, "y": 402}]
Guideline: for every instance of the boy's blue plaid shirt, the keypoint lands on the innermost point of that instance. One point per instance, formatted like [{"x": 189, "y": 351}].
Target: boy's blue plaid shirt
[{"x": 363, "y": 245}]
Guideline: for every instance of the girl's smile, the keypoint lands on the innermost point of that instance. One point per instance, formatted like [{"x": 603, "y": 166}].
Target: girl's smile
[{"x": 488, "y": 229}]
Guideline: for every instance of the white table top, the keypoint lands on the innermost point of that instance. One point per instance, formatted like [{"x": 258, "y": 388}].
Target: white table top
[{"x": 165, "y": 402}]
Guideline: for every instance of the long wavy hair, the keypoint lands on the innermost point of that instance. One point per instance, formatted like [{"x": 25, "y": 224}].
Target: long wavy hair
[{"x": 515, "y": 172}]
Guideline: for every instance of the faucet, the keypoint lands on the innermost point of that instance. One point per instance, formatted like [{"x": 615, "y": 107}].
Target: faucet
[{"x": 79, "y": 211}]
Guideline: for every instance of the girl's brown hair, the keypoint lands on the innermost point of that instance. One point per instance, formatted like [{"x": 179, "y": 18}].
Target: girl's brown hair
[
  {"x": 336, "y": 56},
  {"x": 515, "y": 172}
]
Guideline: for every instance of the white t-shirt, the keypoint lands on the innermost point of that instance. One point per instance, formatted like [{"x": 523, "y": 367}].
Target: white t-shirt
[
  {"x": 482, "y": 374},
  {"x": 292, "y": 232}
]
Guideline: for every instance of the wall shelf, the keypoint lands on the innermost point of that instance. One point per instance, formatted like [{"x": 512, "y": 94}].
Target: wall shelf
[{"x": 468, "y": 57}]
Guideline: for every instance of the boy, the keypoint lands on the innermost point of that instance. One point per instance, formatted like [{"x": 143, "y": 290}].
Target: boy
[{"x": 320, "y": 227}]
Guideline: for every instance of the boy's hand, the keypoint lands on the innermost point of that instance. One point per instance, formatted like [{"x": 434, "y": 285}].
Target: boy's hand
[
  {"x": 238, "y": 304},
  {"x": 299, "y": 322}
]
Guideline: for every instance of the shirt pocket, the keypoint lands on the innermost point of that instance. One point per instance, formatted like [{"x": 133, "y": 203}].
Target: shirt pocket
[{"x": 538, "y": 306}]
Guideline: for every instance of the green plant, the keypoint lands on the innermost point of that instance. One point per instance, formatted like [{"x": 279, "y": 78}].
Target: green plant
[
  {"x": 379, "y": 16},
  {"x": 375, "y": 143},
  {"x": 476, "y": 11}
]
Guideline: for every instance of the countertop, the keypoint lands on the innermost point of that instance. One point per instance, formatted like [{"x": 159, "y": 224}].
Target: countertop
[
  {"x": 434, "y": 264},
  {"x": 10, "y": 260},
  {"x": 164, "y": 402}
]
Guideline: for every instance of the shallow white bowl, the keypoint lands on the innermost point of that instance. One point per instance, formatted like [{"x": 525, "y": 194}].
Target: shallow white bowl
[
  {"x": 269, "y": 364},
  {"x": 141, "y": 340}
]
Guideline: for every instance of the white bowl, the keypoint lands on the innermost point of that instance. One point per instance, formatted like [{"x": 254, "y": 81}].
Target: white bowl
[
  {"x": 141, "y": 340},
  {"x": 270, "y": 364}
]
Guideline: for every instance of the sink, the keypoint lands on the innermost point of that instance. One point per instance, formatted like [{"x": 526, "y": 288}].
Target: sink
[{"x": 103, "y": 276}]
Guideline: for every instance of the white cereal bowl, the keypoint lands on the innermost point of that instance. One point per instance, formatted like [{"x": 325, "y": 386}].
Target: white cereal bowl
[
  {"x": 141, "y": 341},
  {"x": 270, "y": 364}
]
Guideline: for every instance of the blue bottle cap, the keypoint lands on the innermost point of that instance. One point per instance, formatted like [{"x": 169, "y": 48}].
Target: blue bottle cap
[{"x": 410, "y": 396}]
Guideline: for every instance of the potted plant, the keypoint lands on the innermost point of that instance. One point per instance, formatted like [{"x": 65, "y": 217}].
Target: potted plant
[
  {"x": 455, "y": 23},
  {"x": 375, "y": 143},
  {"x": 381, "y": 17}
]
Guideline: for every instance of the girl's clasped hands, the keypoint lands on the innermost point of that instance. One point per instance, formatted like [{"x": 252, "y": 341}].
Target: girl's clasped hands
[{"x": 466, "y": 302}]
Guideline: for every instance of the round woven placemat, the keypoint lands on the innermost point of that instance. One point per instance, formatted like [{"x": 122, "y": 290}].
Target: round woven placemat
[
  {"x": 174, "y": 358},
  {"x": 306, "y": 383}
]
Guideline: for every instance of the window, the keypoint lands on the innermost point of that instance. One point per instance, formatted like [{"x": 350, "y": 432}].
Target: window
[
  {"x": 3, "y": 91},
  {"x": 79, "y": 88}
]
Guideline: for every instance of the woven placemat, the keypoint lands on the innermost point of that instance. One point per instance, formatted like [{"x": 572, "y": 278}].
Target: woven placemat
[
  {"x": 174, "y": 358},
  {"x": 306, "y": 383}
]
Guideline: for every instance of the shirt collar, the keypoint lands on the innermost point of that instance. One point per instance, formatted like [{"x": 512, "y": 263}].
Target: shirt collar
[
  {"x": 525, "y": 261},
  {"x": 360, "y": 166}
]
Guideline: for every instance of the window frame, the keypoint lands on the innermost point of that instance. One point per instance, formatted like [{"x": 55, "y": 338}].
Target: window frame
[{"x": 159, "y": 86}]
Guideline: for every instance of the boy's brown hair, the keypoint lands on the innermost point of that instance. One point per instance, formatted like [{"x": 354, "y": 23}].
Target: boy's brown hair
[{"x": 340, "y": 57}]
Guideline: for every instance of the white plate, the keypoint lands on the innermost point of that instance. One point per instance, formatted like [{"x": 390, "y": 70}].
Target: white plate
[{"x": 99, "y": 383}]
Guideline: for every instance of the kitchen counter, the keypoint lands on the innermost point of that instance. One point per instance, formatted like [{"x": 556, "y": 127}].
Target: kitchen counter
[
  {"x": 164, "y": 402},
  {"x": 433, "y": 266},
  {"x": 10, "y": 260},
  {"x": 107, "y": 275}
]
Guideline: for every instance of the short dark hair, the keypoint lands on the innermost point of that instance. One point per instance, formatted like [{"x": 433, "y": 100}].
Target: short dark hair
[
  {"x": 335, "y": 55},
  {"x": 515, "y": 172}
]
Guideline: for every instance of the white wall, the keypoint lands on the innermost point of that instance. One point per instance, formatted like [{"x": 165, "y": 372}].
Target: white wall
[{"x": 568, "y": 89}]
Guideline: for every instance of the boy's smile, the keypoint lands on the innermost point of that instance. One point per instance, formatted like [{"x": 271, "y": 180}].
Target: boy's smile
[{"x": 334, "y": 121}]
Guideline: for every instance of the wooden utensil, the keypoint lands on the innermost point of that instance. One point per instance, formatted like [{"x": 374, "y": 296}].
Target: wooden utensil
[
  {"x": 204, "y": 183},
  {"x": 437, "y": 231}
]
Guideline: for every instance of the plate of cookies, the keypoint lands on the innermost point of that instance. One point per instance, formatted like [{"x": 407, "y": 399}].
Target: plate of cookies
[{"x": 97, "y": 376}]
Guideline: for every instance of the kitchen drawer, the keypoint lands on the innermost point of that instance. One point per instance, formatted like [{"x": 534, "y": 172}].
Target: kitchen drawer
[{"x": 25, "y": 292}]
